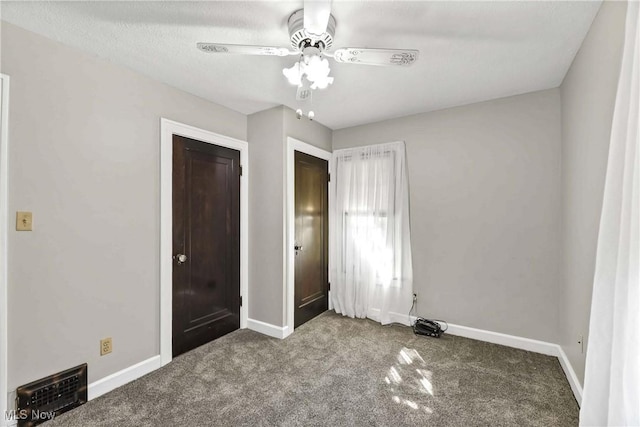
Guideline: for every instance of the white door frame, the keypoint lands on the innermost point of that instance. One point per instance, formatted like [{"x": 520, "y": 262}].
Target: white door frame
[
  {"x": 4, "y": 229},
  {"x": 168, "y": 128},
  {"x": 294, "y": 145}
]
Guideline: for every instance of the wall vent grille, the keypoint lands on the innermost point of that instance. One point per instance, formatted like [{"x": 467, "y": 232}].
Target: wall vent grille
[{"x": 48, "y": 397}]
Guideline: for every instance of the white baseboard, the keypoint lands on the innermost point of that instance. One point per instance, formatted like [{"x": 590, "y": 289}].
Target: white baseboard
[
  {"x": 268, "y": 329},
  {"x": 110, "y": 382},
  {"x": 120, "y": 378},
  {"x": 576, "y": 387},
  {"x": 528, "y": 344},
  {"x": 402, "y": 318}
]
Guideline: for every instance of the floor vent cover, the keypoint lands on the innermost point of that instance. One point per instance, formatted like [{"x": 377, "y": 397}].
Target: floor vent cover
[{"x": 43, "y": 399}]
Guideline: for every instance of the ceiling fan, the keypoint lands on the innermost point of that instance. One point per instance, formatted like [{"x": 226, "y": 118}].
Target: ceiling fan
[{"x": 311, "y": 33}]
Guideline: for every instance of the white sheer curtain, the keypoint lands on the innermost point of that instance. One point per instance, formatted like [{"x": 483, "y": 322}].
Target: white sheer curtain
[
  {"x": 612, "y": 377},
  {"x": 371, "y": 272}
]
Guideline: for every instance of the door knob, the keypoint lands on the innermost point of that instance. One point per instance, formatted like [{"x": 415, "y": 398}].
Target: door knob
[{"x": 181, "y": 258}]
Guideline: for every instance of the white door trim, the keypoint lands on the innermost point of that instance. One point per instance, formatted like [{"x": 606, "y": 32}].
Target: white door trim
[
  {"x": 4, "y": 229},
  {"x": 168, "y": 128},
  {"x": 289, "y": 229}
]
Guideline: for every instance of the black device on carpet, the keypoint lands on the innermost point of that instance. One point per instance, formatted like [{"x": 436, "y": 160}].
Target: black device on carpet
[{"x": 427, "y": 327}]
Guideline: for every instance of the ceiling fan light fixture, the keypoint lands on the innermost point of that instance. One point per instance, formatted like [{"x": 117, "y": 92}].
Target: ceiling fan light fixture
[
  {"x": 317, "y": 71},
  {"x": 312, "y": 67},
  {"x": 322, "y": 83},
  {"x": 293, "y": 74}
]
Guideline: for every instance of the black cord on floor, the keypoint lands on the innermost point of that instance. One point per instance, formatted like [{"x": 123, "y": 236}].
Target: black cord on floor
[{"x": 413, "y": 304}]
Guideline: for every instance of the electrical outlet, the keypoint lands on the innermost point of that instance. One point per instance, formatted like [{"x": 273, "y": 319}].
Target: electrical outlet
[
  {"x": 106, "y": 346},
  {"x": 24, "y": 221},
  {"x": 581, "y": 342}
]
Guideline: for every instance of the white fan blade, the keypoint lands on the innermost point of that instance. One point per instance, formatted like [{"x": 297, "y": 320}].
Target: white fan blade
[
  {"x": 242, "y": 49},
  {"x": 358, "y": 55},
  {"x": 316, "y": 16}
]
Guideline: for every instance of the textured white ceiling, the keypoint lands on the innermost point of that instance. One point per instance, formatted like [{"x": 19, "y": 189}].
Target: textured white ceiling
[{"x": 469, "y": 51}]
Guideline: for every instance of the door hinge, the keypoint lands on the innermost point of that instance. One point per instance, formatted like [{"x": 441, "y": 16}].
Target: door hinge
[
  {"x": 240, "y": 168},
  {"x": 328, "y": 177},
  {"x": 328, "y": 286},
  {"x": 240, "y": 300}
]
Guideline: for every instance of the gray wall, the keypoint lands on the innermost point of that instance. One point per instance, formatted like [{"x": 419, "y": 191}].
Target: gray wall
[
  {"x": 311, "y": 132},
  {"x": 84, "y": 157},
  {"x": 485, "y": 210},
  {"x": 267, "y": 135},
  {"x": 485, "y": 183},
  {"x": 266, "y": 161},
  {"x": 588, "y": 97}
]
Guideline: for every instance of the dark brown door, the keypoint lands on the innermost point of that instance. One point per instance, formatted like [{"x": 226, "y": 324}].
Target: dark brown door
[
  {"x": 311, "y": 237},
  {"x": 206, "y": 242}
]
